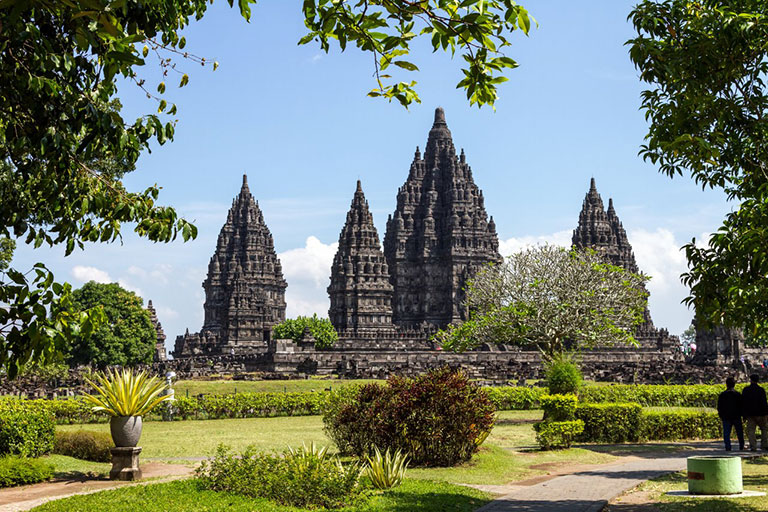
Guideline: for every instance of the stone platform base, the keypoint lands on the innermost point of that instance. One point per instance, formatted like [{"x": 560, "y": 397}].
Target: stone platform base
[{"x": 125, "y": 464}]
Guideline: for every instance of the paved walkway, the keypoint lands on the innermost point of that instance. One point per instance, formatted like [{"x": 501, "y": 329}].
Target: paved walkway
[
  {"x": 591, "y": 490},
  {"x": 17, "y": 499}
]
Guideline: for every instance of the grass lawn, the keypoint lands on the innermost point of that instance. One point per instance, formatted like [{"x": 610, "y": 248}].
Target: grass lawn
[
  {"x": 196, "y": 387},
  {"x": 755, "y": 473},
  {"x": 199, "y": 438},
  {"x": 184, "y": 496},
  {"x": 509, "y": 454}
]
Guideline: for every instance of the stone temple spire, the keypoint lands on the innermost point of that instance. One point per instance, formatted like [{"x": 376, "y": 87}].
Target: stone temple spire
[
  {"x": 602, "y": 231},
  {"x": 595, "y": 229},
  {"x": 245, "y": 289},
  {"x": 360, "y": 292},
  {"x": 438, "y": 236},
  {"x": 160, "y": 344}
]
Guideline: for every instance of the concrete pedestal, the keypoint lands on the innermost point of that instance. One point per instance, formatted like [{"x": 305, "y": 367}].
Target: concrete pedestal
[
  {"x": 714, "y": 475},
  {"x": 125, "y": 463}
]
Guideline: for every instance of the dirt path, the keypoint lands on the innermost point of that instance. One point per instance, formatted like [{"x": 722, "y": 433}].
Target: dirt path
[{"x": 15, "y": 499}]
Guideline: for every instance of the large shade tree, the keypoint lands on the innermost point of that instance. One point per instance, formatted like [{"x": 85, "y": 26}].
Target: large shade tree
[
  {"x": 126, "y": 337},
  {"x": 552, "y": 298},
  {"x": 706, "y": 64},
  {"x": 62, "y": 136}
]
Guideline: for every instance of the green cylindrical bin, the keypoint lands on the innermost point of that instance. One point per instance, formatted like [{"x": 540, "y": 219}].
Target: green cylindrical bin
[{"x": 714, "y": 475}]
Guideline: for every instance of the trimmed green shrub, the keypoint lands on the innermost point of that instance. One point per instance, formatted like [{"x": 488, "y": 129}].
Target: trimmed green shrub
[
  {"x": 563, "y": 375},
  {"x": 21, "y": 471},
  {"x": 299, "y": 478},
  {"x": 514, "y": 398},
  {"x": 438, "y": 419},
  {"x": 25, "y": 430},
  {"x": 558, "y": 407},
  {"x": 553, "y": 435},
  {"x": 609, "y": 423},
  {"x": 652, "y": 395},
  {"x": 85, "y": 445},
  {"x": 674, "y": 425}
]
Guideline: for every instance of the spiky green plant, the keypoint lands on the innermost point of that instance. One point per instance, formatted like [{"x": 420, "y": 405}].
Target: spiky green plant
[
  {"x": 388, "y": 470},
  {"x": 311, "y": 451},
  {"x": 125, "y": 393}
]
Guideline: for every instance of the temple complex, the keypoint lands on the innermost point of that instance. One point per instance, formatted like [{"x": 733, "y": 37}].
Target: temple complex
[
  {"x": 244, "y": 290},
  {"x": 438, "y": 236},
  {"x": 385, "y": 304},
  {"x": 360, "y": 292},
  {"x": 602, "y": 231}
]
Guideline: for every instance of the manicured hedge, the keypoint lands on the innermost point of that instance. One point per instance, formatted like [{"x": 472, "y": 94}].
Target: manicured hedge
[
  {"x": 84, "y": 445},
  {"x": 648, "y": 395},
  {"x": 677, "y": 425},
  {"x": 515, "y": 398},
  {"x": 609, "y": 423},
  {"x": 21, "y": 471},
  {"x": 504, "y": 398},
  {"x": 25, "y": 430},
  {"x": 250, "y": 405},
  {"x": 557, "y": 434}
]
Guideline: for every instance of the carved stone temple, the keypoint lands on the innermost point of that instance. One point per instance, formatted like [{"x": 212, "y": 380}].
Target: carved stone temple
[
  {"x": 244, "y": 290},
  {"x": 602, "y": 231},
  {"x": 360, "y": 291},
  {"x": 438, "y": 237}
]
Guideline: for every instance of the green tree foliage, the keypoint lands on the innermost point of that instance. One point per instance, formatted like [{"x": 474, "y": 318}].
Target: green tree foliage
[
  {"x": 7, "y": 246},
  {"x": 548, "y": 296},
  {"x": 479, "y": 29},
  {"x": 126, "y": 338},
  {"x": 706, "y": 64},
  {"x": 64, "y": 145},
  {"x": 320, "y": 328}
]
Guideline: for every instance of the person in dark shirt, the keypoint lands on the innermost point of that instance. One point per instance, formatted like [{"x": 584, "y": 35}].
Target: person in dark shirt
[
  {"x": 729, "y": 410},
  {"x": 754, "y": 407}
]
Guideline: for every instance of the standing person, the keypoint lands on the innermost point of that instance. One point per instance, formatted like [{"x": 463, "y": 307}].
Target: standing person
[
  {"x": 755, "y": 408},
  {"x": 729, "y": 410}
]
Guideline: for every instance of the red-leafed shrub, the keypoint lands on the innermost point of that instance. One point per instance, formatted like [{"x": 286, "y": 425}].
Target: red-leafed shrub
[{"x": 439, "y": 418}]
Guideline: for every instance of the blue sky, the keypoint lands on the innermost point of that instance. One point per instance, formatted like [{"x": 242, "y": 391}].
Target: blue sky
[{"x": 298, "y": 122}]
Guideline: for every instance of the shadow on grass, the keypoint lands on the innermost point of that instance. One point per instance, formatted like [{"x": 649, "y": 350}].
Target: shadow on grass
[
  {"x": 79, "y": 476},
  {"x": 430, "y": 502}
]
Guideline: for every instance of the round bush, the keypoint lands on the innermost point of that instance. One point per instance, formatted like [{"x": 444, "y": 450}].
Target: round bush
[
  {"x": 563, "y": 376},
  {"x": 85, "y": 445},
  {"x": 438, "y": 419}
]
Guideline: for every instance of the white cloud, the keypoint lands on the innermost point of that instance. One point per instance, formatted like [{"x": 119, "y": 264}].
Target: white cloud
[
  {"x": 85, "y": 274},
  {"x": 658, "y": 255},
  {"x": 516, "y": 244},
  {"x": 308, "y": 270}
]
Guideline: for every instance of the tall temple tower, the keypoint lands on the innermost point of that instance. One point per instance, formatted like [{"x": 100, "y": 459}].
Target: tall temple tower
[
  {"x": 439, "y": 235},
  {"x": 160, "y": 344},
  {"x": 602, "y": 231},
  {"x": 360, "y": 292},
  {"x": 244, "y": 290}
]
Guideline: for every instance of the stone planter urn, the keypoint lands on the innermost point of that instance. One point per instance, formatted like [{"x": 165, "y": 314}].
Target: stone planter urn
[{"x": 126, "y": 430}]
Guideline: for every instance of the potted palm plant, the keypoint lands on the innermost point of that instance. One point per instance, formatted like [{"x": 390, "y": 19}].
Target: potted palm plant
[{"x": 126, "y": 396}]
